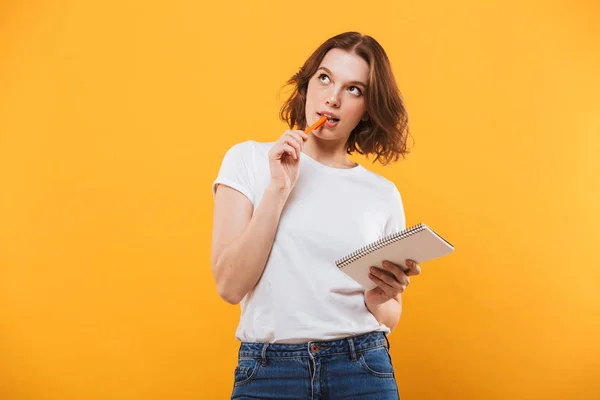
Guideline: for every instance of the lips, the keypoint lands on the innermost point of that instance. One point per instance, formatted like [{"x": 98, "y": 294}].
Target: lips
[
  {"x": 331, "y": 121},
  {"x": 330, "y": 116}
]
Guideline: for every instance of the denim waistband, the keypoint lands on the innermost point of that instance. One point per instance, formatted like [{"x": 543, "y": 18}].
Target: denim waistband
[{"x": 350, "y": 345}]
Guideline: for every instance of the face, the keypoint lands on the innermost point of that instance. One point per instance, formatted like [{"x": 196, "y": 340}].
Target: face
[{"x": 337, "y": 90}]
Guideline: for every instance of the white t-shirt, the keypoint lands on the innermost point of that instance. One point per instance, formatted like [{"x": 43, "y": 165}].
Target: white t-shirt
[{"x": 302, "y": 295}]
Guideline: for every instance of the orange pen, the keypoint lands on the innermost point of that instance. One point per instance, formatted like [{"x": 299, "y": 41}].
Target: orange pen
[{"x": 317, "y": 124}]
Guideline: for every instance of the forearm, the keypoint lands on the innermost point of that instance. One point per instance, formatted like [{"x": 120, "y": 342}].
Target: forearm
[
  {"x": 387, "y": 313},
  {"x": 242, "y": 263}
]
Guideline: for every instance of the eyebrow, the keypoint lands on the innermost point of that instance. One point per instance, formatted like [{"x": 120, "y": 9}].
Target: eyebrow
[{"x": 351, "y": 82}]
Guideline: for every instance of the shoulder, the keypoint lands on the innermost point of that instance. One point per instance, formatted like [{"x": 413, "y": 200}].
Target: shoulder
[
  {"x": 382, "y": 183},
  {"x": 248, "y": 151},
  {"x": 250, "y": 148}
]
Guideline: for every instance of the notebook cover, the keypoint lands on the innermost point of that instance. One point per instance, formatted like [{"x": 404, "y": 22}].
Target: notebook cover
[{"x": 422, "y": 245}]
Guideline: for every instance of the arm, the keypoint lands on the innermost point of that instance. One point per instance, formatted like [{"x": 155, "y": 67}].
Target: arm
[
  {"x": 242, "y": 241},
  {"x": 387, "y": 313},
  {"x": 384, "y": 301}
]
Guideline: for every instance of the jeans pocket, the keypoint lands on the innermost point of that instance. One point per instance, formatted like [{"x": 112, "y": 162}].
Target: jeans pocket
[
  {"x": 245, "y": 371},
  {"x": 377, "y": 362}
]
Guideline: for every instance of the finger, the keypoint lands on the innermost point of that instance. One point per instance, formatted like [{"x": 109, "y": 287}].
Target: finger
[
  {"x": 389, "y": 279},
  {"x": 387, "y": 289},
  {"x": 294, "y": 143},
  {"x": 413, "y": 268},
  {"x": 401, "y": 277},
  {"x": 289, "y": 150},
  {"x": 295, "y": 137},
  {"x": 302, "y": 135},
  {"x": 395, "y": 269}
]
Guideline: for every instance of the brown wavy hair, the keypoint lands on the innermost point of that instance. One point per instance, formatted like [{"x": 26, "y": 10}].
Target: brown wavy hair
[{"x": 386, "y": 131}]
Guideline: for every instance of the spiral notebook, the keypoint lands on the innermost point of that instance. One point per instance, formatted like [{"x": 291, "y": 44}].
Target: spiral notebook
[{"x": 419, "y": 243}]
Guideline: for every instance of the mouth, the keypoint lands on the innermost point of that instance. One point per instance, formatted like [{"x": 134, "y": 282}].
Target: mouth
[
  {"x": 330, "y": 117},
  {"x": 331, "y": 122}
]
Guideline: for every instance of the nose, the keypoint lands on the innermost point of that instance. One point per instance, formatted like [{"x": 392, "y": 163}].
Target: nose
[{"x": 333, "y": 99}]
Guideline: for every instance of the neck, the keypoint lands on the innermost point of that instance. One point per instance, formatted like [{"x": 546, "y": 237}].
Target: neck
[{"x": 328, "y": 152}]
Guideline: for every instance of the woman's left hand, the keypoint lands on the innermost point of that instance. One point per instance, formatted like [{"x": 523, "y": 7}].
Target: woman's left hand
[{"x": 391, "y": 280}]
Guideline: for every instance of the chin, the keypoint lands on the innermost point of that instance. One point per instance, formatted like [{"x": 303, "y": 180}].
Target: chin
[{"x": 327, "y": 134}]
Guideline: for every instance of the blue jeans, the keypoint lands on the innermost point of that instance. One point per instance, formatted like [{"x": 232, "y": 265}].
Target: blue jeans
[{"x": 358, "y": 367}]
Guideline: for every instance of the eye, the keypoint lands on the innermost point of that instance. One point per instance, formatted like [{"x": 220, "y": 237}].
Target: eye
[
  {"x": 324, "y": 78},
  {"x": 355, "y": 90}
]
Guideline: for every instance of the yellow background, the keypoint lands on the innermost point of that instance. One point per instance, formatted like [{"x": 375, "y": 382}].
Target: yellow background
[{"x": 114, "y": 117}]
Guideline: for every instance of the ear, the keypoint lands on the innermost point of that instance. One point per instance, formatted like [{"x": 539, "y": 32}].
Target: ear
[{"x": 365, "y": 117}]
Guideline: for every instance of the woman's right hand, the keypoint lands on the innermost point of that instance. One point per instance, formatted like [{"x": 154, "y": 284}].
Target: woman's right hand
[{"x": 284, "y": 159}]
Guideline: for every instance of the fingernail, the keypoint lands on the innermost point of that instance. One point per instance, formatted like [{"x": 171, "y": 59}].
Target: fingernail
[{"x": 372, "y": 269}]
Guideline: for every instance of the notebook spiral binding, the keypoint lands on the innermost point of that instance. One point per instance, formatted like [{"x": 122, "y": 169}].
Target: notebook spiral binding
[{"x": 363, "y": 251}]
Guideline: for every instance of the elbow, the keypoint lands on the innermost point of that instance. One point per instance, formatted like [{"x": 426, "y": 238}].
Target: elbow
[
  {"x": 228, "y": 295},
  {"x": 396, "y": 320},
  {"x": 394, "y": 316},
  {"x": 394, "y": 324},
  {"x": 226, "y": 290},
  {"x": 228, "y": 285}
]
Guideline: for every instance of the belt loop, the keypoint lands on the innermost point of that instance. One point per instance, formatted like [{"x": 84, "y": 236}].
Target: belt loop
[
  {"x": 352, "y": 351},
  {"x": 263, "y": 355},
  {"x": 387, "y": 340}
]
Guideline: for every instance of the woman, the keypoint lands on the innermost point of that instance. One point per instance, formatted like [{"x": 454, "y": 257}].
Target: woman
[{"x": 286, "y": 211}]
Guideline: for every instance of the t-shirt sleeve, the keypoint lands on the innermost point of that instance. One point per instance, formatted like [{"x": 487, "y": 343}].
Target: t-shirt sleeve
[
  {"x": 397, "y": 220},
  {"x": 236, "y": 171}
]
